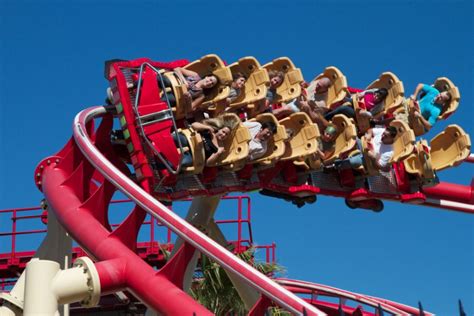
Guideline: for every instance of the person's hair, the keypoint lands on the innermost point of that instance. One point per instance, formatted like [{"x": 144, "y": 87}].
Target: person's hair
[
  {"x": 276, "y": 73},
  {"x": 271, "y": 127},
  {"x": 382, "y": 92},
  {"x": 238, "y": 75},
  {"x": 392, "y": 131},
  {"x": 208, "y": 91},
  {"x": 450, "y": 97},
  {"x": 212, "y": 75},
  {"x": 229, "y": 120},
  {"x": 216, "y": 123},
  {"x": 331, "y": 128},
  {"x": 325, "y": 79}
]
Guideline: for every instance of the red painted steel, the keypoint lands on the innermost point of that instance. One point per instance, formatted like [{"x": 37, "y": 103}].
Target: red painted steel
[
  {"x": 80, "y": 180},
  {"x": 123, "y": 269},
  {"x": 64, "y": 176},
  {"x": 317, "y": 291},
  {"x": 150, "y": 250},
  {"x": 451, "y": 192},
  {"x": 470, "y": 158}
]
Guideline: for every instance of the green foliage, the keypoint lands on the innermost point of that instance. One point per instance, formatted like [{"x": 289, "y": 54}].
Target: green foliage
[
  {"x": 213, "y": 289},
  {"x": 276, "y": 311},
  {"x": 165, "y": 252}
]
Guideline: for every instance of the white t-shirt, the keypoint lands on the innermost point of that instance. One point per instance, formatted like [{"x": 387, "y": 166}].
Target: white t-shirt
[
  {"x": 382, "y": 151},
  {"x": 257, "y": 148}
]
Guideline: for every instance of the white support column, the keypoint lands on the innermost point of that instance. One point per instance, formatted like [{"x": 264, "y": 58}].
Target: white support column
[
  {"x": 10, "y": 309},
  {"x": 38, "y": 296},
  {"x": 56, "y": 246},
  {"x": 248, "y": 294},
  {"x": 13, "y": 301},
  {"x": 65, "y": 310},
  {"x": 47, "y": 286},
  {"x": 200, "y": 213}
]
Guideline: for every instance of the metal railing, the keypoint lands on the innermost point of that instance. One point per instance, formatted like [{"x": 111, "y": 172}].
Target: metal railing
[{"x": 12, "y": 256}]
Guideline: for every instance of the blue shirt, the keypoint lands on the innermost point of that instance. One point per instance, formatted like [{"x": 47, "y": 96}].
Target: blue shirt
[{"x": 428, "y": 108}]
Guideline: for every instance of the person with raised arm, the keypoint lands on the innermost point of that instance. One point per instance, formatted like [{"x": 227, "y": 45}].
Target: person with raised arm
[{"x": 430, "y": 103}]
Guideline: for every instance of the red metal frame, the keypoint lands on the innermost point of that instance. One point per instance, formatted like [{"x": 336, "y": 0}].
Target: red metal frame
[
  {"x": 81, "y": 179},
  {"x": 149, "y": 101},
  {"x": 314, "y": 294},
  {"x": 150, "y": 249},
  {"x": 79, "y": 182},
  {"x": 149, "y": 94}
]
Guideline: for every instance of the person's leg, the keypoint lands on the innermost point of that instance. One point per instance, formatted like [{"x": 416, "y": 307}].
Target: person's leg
[
  {"x": 166, "y": 96},
  {"x": 169, "y": 96},
  {"x": 356, "y": 161},
  {"x": 353, "y": 162},
  {"x": 187, "y": 158},
  {"x": 181, "y": 138},
  {"x": 343, "y": 109},
  {"x": 166, "y": 82}
]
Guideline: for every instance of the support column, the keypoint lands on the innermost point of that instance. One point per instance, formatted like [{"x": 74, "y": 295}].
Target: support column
[
  {"x": 248, "y": 294},
  {"x": 47, "y": 286},
  {"x": 200, "y": 213},
  {"x": 56, "y": 246}
]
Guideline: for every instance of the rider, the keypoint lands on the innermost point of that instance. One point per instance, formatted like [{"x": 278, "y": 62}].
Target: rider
[
  {"x": 431, "y": 104},
  {"x": 260, "y": 134}
]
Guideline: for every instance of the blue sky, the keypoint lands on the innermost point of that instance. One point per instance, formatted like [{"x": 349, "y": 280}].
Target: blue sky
[{"x": 51, "y": 67}]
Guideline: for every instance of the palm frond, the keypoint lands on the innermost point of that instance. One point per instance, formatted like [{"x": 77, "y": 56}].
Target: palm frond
[{"x": 213, "y": 289}]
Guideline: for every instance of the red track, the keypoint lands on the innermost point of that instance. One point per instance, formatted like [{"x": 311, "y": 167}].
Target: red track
[{"x": 79, "y": 182}]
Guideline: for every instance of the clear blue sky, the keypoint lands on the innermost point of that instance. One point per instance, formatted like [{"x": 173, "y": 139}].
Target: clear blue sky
[{"x": 51, "y": 67}]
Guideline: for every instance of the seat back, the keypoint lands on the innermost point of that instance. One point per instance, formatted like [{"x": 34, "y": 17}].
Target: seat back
[
  {"x": 394, "y": 87},
  {"x": 276, "y": 144},
  {"x": 404, "y": 143},
  {"x": 363, "y": 122},
  {"x": 414, "y": 122},
  {"x": 338, "y": 89},
  {"x": 179, "y": 89},
  {"x": 197, "y": 151},
  {"x": 419, "y": 163},
  {"x": 444, "y": 84},
  {"x": 212, "y": 64},
  {"x": 257, "y": 82},
  {"x": 291, "y": 86},
  {"x": 369, "y": 167},
  {"x": 236, "y": 148},
  {"x": 346, "y": 136},
  {"x": 412, "y": 165},
  {"x": 450, "y": 147},
  {"x": 304, "y": 141}
]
